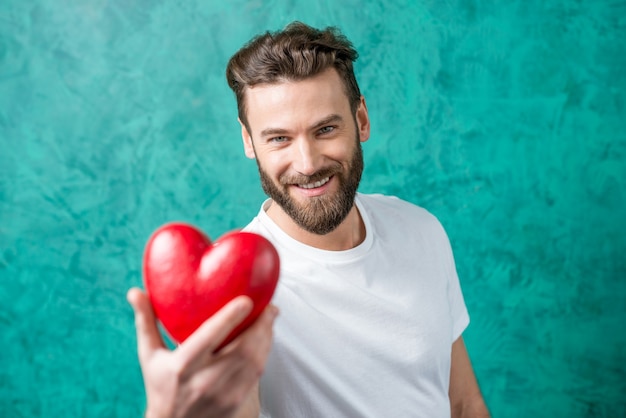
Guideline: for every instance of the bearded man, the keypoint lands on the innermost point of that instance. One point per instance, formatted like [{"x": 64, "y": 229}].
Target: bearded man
[{"x": 372, "y": 313}]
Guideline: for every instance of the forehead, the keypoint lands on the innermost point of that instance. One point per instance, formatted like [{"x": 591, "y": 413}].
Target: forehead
[{"x": 296, "y": 102}]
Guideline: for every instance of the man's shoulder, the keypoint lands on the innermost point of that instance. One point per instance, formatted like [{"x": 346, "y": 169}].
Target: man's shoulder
[
  {"x": 393, "y": 214},
  {"x": 393, "y": 205}
]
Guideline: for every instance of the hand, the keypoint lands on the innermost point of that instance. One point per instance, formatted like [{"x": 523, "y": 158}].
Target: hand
[{"x": 194, "y": 380}]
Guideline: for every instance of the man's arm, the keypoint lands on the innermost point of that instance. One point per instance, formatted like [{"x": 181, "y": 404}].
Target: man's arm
[{"x": 466, "y": 401}]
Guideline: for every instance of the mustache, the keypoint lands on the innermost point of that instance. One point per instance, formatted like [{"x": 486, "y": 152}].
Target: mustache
[{"x": 317, "y": 176}]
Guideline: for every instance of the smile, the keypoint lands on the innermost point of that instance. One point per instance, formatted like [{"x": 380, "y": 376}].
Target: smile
[{"x": 315, "y": 185}]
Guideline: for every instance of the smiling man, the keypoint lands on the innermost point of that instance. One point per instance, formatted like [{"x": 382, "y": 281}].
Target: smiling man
[
  {"x": 372, "y": 313},
  {"x": 307, "y": 144}
]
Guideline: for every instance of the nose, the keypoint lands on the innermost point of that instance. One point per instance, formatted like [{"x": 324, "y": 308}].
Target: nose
[{"x": 307, "y": 158}]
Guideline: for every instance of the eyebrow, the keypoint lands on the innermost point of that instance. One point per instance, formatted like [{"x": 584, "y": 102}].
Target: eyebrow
[{"x": 280, "y": 131}]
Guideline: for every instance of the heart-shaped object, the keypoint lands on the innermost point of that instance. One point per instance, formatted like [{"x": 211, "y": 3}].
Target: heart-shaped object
[{"x": 189, "y": 279}]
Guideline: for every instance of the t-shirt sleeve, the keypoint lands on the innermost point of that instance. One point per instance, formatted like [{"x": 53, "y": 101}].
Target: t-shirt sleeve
[{"x": 456, "y": 302}]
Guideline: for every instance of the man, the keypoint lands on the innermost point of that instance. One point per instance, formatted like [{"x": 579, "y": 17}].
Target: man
[{"x": 371, "y": 308}]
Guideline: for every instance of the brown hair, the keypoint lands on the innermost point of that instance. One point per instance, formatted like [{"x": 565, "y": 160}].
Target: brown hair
[{"x": 295, "y": 53}]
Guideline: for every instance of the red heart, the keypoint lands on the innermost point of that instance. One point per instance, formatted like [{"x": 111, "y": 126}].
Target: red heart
[{"x": 189, "y": 279}]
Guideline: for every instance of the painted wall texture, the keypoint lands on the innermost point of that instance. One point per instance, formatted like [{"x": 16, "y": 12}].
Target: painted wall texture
[{"x": 505, "y": 119}]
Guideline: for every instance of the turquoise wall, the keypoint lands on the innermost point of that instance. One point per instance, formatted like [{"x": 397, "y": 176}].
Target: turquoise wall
[{"x": 505, "y": 119}]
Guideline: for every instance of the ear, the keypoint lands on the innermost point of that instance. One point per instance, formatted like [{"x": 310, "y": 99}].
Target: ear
[
  {"x": 363, "y": 121},
  {"x": 248, "y": 147}
]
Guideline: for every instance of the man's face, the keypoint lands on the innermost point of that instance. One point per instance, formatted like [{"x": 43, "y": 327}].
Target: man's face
[{"x": 307, "y": 144}]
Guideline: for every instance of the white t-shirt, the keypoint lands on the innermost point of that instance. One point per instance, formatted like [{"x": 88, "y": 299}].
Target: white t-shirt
[{"x": 365, "y": 332}]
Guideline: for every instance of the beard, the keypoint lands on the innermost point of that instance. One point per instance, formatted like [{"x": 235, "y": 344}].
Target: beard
[{"x": 320, "y": 214}]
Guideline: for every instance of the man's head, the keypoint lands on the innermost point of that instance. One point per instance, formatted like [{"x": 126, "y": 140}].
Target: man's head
[
  {"x": 295, "y": 53},
  {"x": 303, "y": 120}
]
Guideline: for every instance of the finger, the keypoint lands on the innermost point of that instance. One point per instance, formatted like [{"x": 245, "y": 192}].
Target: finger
[
  {"x": 240, "y": 364},
  {"x": 258, "y": 338},
  {"x": 254, "y": 344},
  {"x": 258, "y": 331},
  {"x": 148, "y": 336},
  {"x": 215, "y": 329},
  {"x": 261, "y": 329}
]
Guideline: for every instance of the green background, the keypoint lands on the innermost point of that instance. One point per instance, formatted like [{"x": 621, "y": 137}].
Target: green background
[{"x": 505, "y": 119}]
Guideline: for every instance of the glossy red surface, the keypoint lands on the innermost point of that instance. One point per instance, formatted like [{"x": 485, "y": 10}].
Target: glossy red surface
[{"x": 189, "y": 278}]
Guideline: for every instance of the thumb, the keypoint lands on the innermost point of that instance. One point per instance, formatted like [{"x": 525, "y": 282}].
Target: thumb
[{"x": 148, "y": 337}]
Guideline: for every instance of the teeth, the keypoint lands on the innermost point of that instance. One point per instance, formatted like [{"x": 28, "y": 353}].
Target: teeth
[{"x": 314, "y": 185}]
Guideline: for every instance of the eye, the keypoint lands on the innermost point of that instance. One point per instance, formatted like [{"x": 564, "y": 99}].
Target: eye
[
  {"x": 326, "y": 129},
  {"x": 278, "y": 139}
]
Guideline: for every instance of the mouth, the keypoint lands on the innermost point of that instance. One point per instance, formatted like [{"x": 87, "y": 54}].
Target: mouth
[{"x": 314, "y": 185}]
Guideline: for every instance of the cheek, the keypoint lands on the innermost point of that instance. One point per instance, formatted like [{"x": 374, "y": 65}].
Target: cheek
[
  {"x": 344, "y": 154},
  {"x": 338, "y": 149},
  {"x": 274, "y": 164}
]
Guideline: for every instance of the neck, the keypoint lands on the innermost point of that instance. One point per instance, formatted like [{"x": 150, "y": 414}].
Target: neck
[{"x": 349, "y": 234}]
